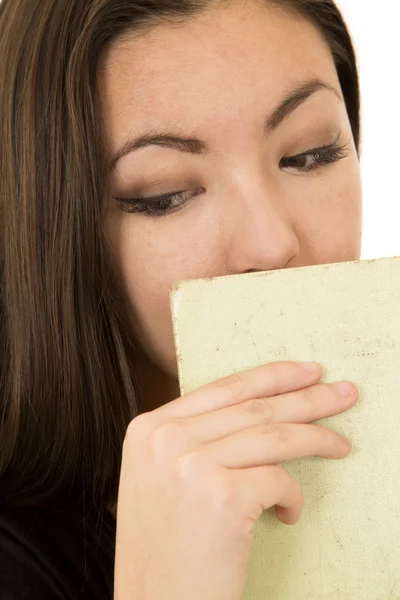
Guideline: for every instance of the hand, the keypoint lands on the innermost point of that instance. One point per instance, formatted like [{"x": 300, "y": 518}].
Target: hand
[{"x": 198, "y": 472}]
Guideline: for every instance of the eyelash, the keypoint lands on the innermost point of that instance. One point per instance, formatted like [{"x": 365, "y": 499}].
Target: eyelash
[{"x": 162, "y": 205}]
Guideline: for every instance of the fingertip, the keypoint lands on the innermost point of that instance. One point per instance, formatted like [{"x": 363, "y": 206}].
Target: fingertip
[
  {"x": 344, "y": 449},
  {"x": 346, "y": 442},
  {"x": 349, "y": 448},
  {"x": 313, "y": 368},
  {"x": 288, "y": 516}
]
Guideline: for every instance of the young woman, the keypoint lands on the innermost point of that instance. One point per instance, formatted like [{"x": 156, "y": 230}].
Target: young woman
[{"x": 141, "y": 143}]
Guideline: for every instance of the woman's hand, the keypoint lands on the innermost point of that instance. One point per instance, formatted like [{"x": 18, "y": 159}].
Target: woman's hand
[{"x": 198, "y": 472}]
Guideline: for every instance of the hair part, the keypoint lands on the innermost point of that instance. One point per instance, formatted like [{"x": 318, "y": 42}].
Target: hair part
[{"x": 67, "y": 391}]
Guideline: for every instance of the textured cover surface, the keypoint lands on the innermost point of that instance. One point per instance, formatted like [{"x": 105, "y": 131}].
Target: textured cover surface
[{"x": 346, "y": 316}]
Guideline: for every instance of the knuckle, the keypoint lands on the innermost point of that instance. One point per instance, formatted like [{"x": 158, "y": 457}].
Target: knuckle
[
  {"x": 136, "y": 437},
  {"x": 138, "y": 428},
  {"x": 236, "y": 385},
  {"x": 279, "y": 433},
  {"x": 166, "y": 437},
  {"x": 309, "y": 395},
  {"x": 258, "y": 406},
  {"x": 189, "y": 466}
]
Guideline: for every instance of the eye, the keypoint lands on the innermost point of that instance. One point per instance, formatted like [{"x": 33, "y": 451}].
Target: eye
[
  {"x": 315, "y": 158},
  {"x": 158, "y": 206}
]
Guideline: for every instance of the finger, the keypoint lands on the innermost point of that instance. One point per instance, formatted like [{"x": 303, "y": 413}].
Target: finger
[
  {"x": 275, "y": 443},
  {"x": 310, "y": 404},
  {"x": 261, "y": 488},
  {"x": 266, "y": 380},
  {"x": 303, "y": 406}
]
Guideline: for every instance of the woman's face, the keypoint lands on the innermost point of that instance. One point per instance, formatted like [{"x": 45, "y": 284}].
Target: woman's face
[{"x": 208, "y": 118}]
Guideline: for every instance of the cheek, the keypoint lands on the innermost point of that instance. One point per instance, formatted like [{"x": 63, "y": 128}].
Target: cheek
[
  {"x": 329, "y": 226},
  {"x": 346, "y": 222},
  {"x": 151, "y": 259}
]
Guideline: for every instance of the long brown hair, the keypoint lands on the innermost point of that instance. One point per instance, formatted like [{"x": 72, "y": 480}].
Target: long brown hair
[{"x": 66, "y": 383}]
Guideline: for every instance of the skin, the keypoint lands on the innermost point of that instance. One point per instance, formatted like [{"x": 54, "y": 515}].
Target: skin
[{"x": 216, "y": 78}]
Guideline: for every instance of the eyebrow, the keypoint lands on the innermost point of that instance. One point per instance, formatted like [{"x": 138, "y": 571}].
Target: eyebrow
[{"x": 296, "y": 97}]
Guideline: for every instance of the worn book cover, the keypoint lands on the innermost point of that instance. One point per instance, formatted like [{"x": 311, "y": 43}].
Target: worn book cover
[{"x": 346, "y": 316}]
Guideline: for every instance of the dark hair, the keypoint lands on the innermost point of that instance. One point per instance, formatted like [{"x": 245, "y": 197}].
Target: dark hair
[{"x": 66, "y": 344}]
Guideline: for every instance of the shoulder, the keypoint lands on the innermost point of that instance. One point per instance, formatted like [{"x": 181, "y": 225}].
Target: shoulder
[{"x": 55, "y": 554}]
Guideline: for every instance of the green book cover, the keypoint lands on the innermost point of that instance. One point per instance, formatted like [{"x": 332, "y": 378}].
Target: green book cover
[{"x": 346, "y": 316}]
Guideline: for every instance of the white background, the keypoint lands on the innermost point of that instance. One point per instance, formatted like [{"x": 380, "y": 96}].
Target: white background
[{"x": 374, "y": 25}]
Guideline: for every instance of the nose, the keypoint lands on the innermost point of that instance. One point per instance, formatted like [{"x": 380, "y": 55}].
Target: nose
[{"x": 261, "y": 236}]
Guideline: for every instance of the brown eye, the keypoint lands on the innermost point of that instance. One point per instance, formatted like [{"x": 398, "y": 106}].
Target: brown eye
[{"x": 299, "y": 162}]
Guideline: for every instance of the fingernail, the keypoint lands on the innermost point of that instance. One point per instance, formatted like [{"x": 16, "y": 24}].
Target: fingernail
[
  {"x": 310, "y": 367},
  {"x": 345, "y": 441},
  {"x": 344, "y": 388}
]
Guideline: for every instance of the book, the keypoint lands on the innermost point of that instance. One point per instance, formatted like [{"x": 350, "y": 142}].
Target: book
[{"x": 345, "y": 316}]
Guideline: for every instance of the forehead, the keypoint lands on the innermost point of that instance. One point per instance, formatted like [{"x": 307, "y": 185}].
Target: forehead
[{"x": 224, "y": 63}]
